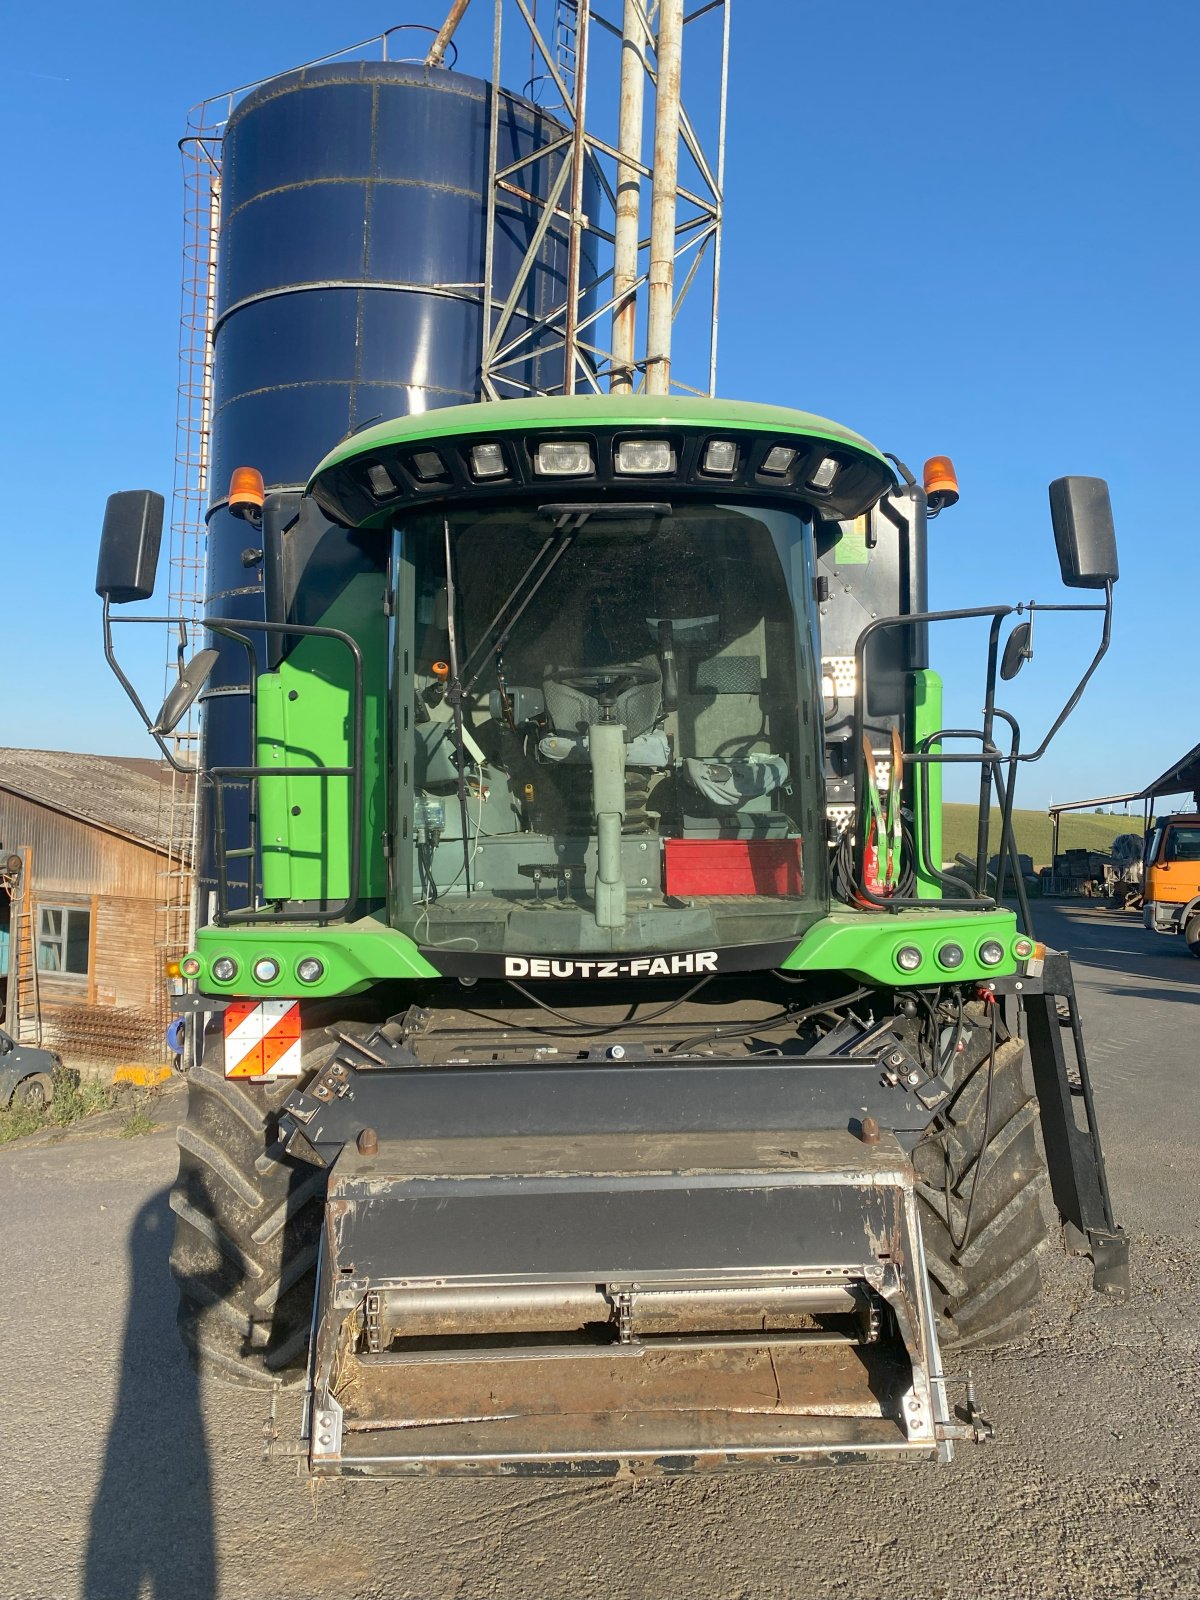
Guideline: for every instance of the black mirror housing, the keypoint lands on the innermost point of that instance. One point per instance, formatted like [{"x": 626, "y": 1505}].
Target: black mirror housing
[
  {"x": 191, "y": 680},
  {"x": 129, "y": 545},
  {"x": 1017, "y": 651},
  {"x": 1083, "y": 532}
]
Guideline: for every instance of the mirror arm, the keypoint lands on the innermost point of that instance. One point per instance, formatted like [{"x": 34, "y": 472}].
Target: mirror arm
[
  {"x": 110, "y": 655},
  {"x": 1101, "y": 652}
]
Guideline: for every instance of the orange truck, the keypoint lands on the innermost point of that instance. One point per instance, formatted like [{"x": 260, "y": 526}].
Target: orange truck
[{"x": 1171, "y": 893}]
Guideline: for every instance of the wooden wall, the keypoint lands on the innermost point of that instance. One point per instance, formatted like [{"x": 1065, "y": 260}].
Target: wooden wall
[{"x": 118, "y": 881}]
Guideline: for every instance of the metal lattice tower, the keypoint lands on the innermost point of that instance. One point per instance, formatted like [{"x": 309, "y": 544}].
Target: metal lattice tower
[{"x": 684, "y": 181}]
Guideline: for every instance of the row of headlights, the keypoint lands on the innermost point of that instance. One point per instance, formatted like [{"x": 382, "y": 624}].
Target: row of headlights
[
  {"x": 573, "y": 458},
  {"x": 264, "y": 969},
  {"x": 951, "y": 955},
  {"x": 909, "y": 958}
]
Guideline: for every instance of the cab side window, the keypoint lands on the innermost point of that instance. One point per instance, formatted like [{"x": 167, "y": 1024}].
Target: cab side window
[{"x": 1183, "y": 844}]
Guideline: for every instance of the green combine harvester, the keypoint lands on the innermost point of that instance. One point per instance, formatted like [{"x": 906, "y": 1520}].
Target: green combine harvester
[{"x": 587, "y": 1047}]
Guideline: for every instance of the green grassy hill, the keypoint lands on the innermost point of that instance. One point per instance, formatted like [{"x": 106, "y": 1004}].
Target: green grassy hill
[{"x": 1080, "y": 830}]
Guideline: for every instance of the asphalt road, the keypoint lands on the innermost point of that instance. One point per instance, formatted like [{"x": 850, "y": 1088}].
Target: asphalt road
[{"x": 121, "y": 1478}]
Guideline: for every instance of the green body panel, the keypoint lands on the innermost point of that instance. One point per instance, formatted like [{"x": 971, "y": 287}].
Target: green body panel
[
  {"x": 863, "y": 945},
  {"x": 557, "y": 411},
  {"x": 355, "y": 956},
  {"x": 927, "y": 719},
  {"x": 304, "y": 719},
  {"x": 860, "y": 943}
]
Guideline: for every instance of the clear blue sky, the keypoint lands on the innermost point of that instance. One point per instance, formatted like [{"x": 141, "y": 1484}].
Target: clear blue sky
[{"x": 959, "y": 229}]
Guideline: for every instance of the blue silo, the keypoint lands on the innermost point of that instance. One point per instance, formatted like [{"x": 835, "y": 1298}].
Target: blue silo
[{"x": 350, "y": 272}]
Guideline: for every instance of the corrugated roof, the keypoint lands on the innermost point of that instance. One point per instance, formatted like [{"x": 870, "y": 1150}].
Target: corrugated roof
[
  {"x": 1182, "y": 778},
  {"x": 127, "y": 795}
]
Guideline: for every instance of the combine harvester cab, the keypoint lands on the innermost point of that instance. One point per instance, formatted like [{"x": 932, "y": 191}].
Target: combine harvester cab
[{"x": 592, "y": 1068}]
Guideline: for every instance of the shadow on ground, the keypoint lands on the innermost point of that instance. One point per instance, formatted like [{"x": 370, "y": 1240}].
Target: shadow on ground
[{"x": 151, "y": 1531}]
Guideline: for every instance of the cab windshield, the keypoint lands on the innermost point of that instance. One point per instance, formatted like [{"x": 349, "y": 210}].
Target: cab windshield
[{"x": 607, "y": 728}]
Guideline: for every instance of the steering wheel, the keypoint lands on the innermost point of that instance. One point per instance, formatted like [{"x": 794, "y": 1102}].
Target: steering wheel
[{"x": 605, "y": 684}]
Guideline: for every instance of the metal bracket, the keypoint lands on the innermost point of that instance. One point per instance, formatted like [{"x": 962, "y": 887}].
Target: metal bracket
[
  {"x": 974, "y": 1427},
  {"x": 373, "y": 1321},
  {"x": 622, "y": 1300},
  {"x": 1110, "y": 1260},
  {"x": 326, "y": 1439},
  {"x": 196, "y": 1005}
]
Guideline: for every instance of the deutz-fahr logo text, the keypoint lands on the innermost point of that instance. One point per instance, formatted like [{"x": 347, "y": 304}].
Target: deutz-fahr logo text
[{"x": 637, "y": 967}]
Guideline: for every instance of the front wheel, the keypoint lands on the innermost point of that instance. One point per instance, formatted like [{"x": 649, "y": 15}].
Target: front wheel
[
  {"x": 35, "y": 1092},
  {"x": 983, "y": 1190},
  {"x": 1192, "y": 934},
  {"x": 247, "y": 1228}
]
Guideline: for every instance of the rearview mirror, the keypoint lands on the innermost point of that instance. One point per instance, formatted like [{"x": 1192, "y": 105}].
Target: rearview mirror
[
  {"x": 1017, "y": 651},
  {"x": 191, "y": 680},
  {"x": 1083, "y": 532},
  {"x": 129, "y": 545}
]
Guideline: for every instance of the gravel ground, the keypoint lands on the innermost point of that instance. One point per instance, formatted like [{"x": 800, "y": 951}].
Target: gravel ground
[{"x": 121, "y": 1478}]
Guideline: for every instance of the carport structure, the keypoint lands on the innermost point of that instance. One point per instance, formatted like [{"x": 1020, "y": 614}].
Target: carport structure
[{"x": 1181, "y": 778}]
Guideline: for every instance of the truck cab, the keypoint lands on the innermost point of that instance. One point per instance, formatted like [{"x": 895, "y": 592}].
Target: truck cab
[{"x": 1172, "y": 884}]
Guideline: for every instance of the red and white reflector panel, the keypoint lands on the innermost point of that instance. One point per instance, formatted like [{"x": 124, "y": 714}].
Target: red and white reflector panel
[{"x": 262, "y": 1039}]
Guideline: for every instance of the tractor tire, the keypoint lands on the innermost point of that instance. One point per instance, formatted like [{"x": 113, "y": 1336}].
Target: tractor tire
[
  {"x": 247, "y": 1227},
  {"x": 984, "y": 1287}
]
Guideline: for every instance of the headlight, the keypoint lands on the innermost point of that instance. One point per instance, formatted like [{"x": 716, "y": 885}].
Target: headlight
[
  {"x": 1023, "y": 949},
  {"x": 563, "y": 458},
  {"x": 224, "y": 969},
  {"x": 778, "y": 459},
  {"x": 908, "y": 958},
  {"x": 720, "y": 457},
  {"x": 645, "y": 456},
  {"x": 310, "y": 970},
  {"x": 487, "y": 461},
  {"x": 991, "y": 952},
  {"x": 951, "y": 956},
  {"x": 266, "y": 969},
  {"x": 381, "y": 481},
  {"x": 190, "y": 966},
  {"x": 428, "y": 466},
  {"x": 824, "y": 475}
]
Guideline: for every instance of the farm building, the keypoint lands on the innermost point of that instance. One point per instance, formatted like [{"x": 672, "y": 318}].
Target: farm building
[{"x": 92, "y": 902}]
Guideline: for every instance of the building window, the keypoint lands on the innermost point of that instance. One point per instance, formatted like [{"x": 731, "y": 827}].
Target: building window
[{"x": 64, "y": 934}]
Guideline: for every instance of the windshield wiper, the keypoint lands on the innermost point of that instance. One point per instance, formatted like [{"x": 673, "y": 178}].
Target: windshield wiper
[{"x": 568, "y": 517}]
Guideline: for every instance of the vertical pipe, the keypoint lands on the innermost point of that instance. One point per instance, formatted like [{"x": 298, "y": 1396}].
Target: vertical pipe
[
  {"x": 579, "y": 159},
  {"x": 663, "y": 198},
  {"x": 629, "y": 187},
  {"x": 487, "y": 388},
  {"x": 1055, "y": 817},
  {"x": 985, "y": 770},
  {"x": 720, "y": 202}
]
